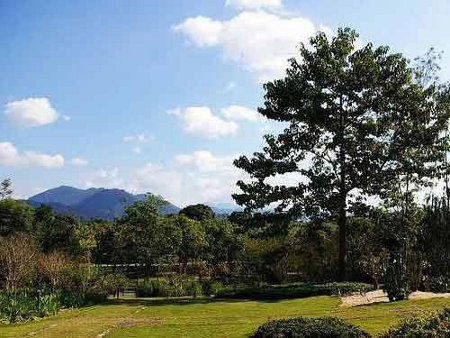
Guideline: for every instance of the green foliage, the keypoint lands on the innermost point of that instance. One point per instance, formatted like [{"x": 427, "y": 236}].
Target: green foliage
[
  {"x": 177, "y": 286},
  {"x": 5, "y": 188},
  {"x": 325, "y": 327},
  {"x": 266, "y": 258},
  {"x": 28, "y": 305},
  {"x": 432, "y": 326},
  {"x": 197, "y": 212},
  {"x": 114, "y": 283},
  {"x": 148, "y": 288},
  {"x": 56, "y": 232},
  {"x": 211, "y": 287},
  {"x": 295, "y": 290},
  {"x": 15, "y": 216},
  {"x": 360, "y": 119}
]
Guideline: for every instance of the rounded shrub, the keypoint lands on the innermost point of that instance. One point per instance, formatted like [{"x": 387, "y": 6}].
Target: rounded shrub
[
  {"x": 434, "y": 326},
  {"x": 326, "y": 327}
]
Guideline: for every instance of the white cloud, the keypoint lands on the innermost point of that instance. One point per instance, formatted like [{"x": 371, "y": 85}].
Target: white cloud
[
  {"x": 197, "y": 177},
  {"x": 240, "y": 113},
  {"x": 138, "y": 138},
  {"x": 255, "y": 4},
  {"x": 31, "y": 112},
  {"x": 10, "y": 156},
  {"x": 201, "y": 122},
  {"x": 79, "y": 161},
  {"x": 258, "y": 41},
  {"x": 202, "y": 31},
  {"x": 66, "y": 118}
]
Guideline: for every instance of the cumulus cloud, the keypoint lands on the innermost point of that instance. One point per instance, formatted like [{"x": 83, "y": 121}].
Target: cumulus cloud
[
  {"x": 201, "y": 122},
  {"x": 31, "y": 112},
  {"x": 10, "y": 156},
  {"x": 259, "y": 41},
  {"x": 196, "y": 177},
  {"x": 79, "y": 161},
  {"x": 104, "y": 178},
  {"x": 255, "y": 4},
  {"x": 240, "y": 113}
]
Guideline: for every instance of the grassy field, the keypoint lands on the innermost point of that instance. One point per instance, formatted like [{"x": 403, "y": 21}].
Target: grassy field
[{"x": 206, "y": 318}]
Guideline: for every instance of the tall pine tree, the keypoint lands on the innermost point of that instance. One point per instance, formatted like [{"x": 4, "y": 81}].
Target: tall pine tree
[{"x": 359, "y": 122}]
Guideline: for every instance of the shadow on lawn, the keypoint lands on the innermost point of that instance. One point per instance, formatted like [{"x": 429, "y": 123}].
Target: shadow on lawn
[{"x": 181, "y": 301}]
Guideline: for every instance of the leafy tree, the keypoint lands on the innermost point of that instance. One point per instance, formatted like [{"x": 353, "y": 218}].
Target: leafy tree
[
  {"x": 56, "y": 232},
  {"x": 197, "y": 212},
  {"x": 359, "y": 122},
  {"x": 223, "y": 244},
  {"x": 193, "y": 240},
  {"x": 5, "y": 189},
  {"x": 144, "y": 235},
  {"x": 15, "y": 216},
  {"x": 317, "y": 246}
]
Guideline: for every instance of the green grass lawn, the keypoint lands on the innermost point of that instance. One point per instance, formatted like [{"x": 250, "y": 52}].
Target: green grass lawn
[{"x": 206, "y": 318}]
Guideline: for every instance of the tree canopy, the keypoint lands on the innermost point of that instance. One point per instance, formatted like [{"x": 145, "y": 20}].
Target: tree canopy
[{"x": 361, "y": 122}]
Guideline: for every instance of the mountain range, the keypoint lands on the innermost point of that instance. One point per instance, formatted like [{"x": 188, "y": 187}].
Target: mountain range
[
  {"x": 92, "y": 203},
  {"x": 103, "y": 203}
]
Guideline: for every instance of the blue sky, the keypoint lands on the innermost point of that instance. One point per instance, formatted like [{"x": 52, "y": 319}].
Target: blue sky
[{"x": 160, "y": 95}]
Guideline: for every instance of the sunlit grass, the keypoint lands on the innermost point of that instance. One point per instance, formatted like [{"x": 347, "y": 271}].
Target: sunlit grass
[{"x": 207, "y": 318}]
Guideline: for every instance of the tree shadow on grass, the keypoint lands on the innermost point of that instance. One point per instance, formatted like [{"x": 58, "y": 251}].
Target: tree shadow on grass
[{"x": 182, "y": 301}]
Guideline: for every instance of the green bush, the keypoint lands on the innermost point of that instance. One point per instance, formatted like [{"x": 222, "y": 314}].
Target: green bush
[
  {"x": 434, "y": 326},
  {"x": 148, "y": 288},
  {"x": 173, "y": 286},
  {"x": 295, "y": 290},
  {"x": 24, "y": 305},
  {"x": 211, "y": 287},
  {"x": 95, "y": 294},
  {"x": 309, "y": 328},
  {"x": 114, "y": 283}
]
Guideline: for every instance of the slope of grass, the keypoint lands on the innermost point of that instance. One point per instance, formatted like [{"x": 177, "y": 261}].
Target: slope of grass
[{"x": 207, "y": 318}]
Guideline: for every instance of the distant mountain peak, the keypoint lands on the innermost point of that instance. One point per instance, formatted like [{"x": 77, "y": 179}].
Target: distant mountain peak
[{"x": 92, "y": 203}]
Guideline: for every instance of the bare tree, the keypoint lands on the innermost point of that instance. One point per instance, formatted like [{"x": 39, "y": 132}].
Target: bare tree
[
  {"x": 52, "y": 267},
  {"x": 18, "y": 258}
]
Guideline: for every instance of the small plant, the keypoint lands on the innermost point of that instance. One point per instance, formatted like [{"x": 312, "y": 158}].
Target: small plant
[
  {"x": 433, "y": 326},
  {"x": 310, "y": 328}
]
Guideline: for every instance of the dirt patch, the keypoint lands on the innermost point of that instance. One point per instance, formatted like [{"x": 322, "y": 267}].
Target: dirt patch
[
  {"x": 127, "y": 323},
  {"x": 379, "y": 296}
]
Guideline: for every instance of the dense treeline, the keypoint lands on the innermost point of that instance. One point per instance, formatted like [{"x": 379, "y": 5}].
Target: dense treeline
[{"x": 245, "y": 249}]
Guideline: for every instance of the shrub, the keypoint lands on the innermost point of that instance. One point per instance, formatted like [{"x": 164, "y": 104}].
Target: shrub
[
  {"x": 114, "y": 283},
  {"x": 434, "y": 326},
  {"x": 148, "y": 288},
  {"x": 173, "y": 286},
  {"x": 309, "y": 328},
  {"x": 211, "y": 287},
  {"x": 295, "y": 290},
  {"x": 23, "y": 306}
]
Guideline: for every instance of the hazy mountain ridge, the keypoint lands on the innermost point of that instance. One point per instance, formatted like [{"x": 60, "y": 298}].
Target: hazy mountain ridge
[{"x": 92, "y": 203}]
